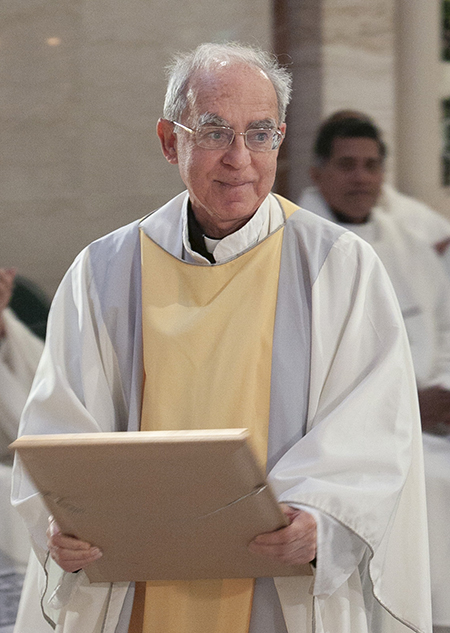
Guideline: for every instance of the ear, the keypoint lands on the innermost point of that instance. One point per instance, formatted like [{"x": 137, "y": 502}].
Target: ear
[
  {"x": 282, "y": 127},
  {"x": 168, "y": 139}
]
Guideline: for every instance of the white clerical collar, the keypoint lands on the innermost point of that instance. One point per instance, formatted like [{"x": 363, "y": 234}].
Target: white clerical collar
[
  {"x": 367, "y": 231},
  {"x": 267, "y": 218},
  {"x": 211, "y": 243}
]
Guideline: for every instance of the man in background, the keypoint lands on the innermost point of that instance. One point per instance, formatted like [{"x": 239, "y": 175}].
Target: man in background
[
  {"x": 348, "y": 174},
  {"x": 416, "y": 216}
]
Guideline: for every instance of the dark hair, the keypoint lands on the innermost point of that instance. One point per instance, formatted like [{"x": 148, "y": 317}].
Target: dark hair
[{"x": 349, "y": 127}]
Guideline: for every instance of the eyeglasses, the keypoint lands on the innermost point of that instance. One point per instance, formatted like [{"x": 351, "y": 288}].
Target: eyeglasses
[{"x": 220, "y": 137}]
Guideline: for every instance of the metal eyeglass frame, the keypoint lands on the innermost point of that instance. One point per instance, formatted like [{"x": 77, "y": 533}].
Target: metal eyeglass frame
[{"x": 277, "y": 138}]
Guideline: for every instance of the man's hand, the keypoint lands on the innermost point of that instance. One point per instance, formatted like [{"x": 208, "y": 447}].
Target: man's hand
[
  {"x": 441, "y": 247},
  {"x": 435, "y": 410},
  {"x": 295, "y": 544},
  {"x": 6, "y": 287},
  {"x": 70, "y": 553}
]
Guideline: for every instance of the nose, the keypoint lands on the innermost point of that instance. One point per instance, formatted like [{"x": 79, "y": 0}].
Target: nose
[
  {"x": 362, "y": 173},
  {"x": 237, "y": 155}
]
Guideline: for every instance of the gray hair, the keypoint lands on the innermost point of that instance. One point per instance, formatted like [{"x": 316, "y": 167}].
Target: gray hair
[{"x": 205, "y": 56}]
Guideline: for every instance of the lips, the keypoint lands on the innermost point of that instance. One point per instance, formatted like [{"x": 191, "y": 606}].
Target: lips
[{"x": 233, "y": 184}]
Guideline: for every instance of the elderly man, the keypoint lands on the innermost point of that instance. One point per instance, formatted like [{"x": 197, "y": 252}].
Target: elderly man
[
  {"x": 348, "y": 173},
  {"x": 241, "y": 310}
]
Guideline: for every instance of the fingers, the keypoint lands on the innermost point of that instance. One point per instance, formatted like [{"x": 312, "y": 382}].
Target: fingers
[
  {"x": 435, "y": 409},
  {"x": 295, "y": 544},
  {"x": 441, "y": 247},
  {"x": 6, "y": 285},
  {"x": 7, "y": 274},
  {"x": 70, "y": 553}
]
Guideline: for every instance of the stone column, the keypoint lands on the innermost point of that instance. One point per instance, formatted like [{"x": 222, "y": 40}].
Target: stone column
[
  {"x": 297, "y": 41},
  {"x": 342, "y": 57},
  {"x": 417, "y": 28}
]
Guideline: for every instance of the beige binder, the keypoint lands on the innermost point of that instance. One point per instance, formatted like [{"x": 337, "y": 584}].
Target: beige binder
[{"x": 162, "y": 505}]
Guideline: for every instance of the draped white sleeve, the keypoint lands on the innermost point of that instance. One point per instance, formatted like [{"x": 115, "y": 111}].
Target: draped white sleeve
[
  {"x": 360, "y": 461},
  {"x": 77, "y": 387}
]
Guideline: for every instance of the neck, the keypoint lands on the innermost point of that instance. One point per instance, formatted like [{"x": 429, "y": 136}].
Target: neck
[
  {"x": 347, "y": 219},
  {"x": 211, "y": 229},
  {"x": 196, "y": 236}
]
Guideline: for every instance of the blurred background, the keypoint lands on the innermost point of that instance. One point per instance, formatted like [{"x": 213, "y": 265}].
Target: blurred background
[{"x": 82, "y": 86}]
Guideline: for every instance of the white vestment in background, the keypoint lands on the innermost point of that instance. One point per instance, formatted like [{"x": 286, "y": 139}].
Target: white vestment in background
[
  {"x": 415, "y": 216},
  {"x": 423, "y": 291},
  {"x": 411, "y": 214}
]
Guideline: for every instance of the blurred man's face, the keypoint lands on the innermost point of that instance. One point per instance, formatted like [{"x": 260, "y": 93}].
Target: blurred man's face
[
  {"x": 350, "y": 180},
  {"x": 225, "y": 186}
]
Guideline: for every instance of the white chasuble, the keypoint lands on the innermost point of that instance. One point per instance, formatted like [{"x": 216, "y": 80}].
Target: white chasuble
[{"x": 334, "y": 445}]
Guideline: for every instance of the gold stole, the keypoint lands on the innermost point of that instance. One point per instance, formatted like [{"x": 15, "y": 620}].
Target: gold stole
[{"x": 207, "y": 340}]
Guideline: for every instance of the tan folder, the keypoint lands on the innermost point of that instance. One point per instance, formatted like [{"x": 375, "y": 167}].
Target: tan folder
[{"x": 161, "y": 505}]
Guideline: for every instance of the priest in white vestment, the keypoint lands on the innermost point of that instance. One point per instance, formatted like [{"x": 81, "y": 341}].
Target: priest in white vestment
[
  {"x": 348, "y": 172},
  {"x": 411, "y": 214},
  {"x": 20, "y": 351},
  {"x": 307, "y": 347}
]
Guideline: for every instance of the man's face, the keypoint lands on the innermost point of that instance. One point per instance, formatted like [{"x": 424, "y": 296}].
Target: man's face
[
  {"x": 226, "y": 186},
  {"x": 350, "y": 180}
]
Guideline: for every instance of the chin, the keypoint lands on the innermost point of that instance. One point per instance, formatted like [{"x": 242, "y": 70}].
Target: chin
[{"x": 235, "y": 209}]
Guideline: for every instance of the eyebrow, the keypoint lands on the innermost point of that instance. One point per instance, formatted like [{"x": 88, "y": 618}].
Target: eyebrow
[
  {"x": 264, "y": 124},
  {"x": 209, "y": 118}
]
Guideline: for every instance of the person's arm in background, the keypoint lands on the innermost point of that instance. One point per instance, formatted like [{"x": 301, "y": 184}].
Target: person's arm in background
[{"x": 434, "y": 397}]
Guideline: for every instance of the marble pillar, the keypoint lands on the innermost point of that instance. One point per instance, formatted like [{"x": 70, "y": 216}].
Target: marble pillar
[
  {"x": 420, "y": 80},
  {"x": 343, "y": 56}
]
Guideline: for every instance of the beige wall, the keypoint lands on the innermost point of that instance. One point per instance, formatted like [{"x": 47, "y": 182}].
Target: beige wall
[
  {"x": 81, "y": 89},
  {"x": 359, "y": 61}
]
